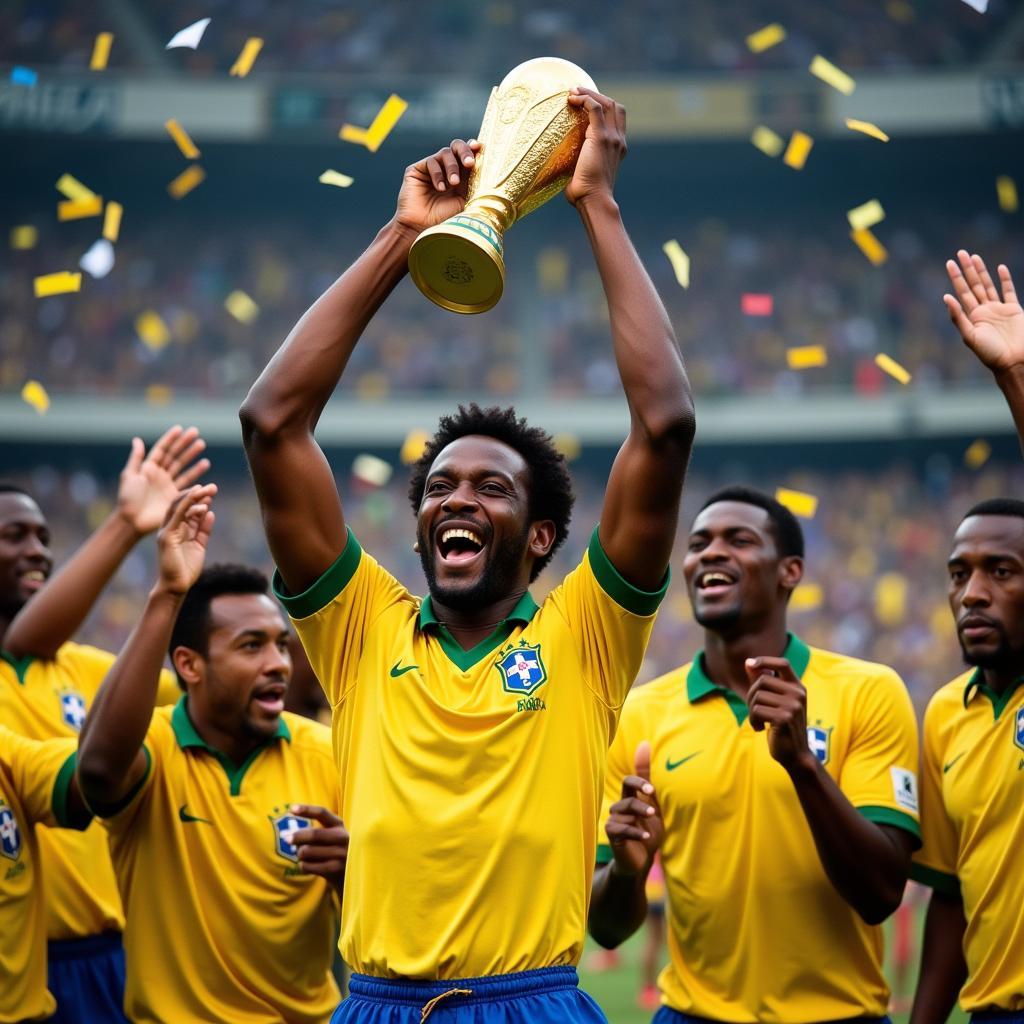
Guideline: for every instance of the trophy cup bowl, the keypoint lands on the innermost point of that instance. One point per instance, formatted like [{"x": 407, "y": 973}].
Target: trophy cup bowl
[{"x": 531, "y": 138}]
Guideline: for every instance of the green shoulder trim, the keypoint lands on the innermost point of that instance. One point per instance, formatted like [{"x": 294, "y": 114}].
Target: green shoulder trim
[
  {"x": 20, "y": 665},
  {"x": 621, "y": 591},
  {"x": 60, "y": 793},
  {"x": 604, "y": 853},
  {"x": 977, "y": 684},
  {"x": 897, "y": 819},
  {"x": 114, "y": 809},
  {"x": 321, "y": 593},
  {"x": 934, "y": 879}
]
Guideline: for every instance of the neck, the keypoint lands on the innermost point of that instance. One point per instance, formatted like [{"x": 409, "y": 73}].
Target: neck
[
  {"x": 234, "y": 745},
  {"x": 470, "y": 626},
  {"x": 1002, "y": 679},
  {"x": 725, "y": 655}
]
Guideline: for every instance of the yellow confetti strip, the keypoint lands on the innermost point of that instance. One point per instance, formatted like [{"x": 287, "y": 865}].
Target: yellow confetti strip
[
  {"x": 804, "y": 357},
  {"x": 246, "y": 59},
  {"x": 101, "y": 51},
  {"x": 159, "y": 394},
  {"x": 679, "y": 260},
  {"x": 866, "y": 128},
  {"x": 568, "y": 446},
  {"x": 186, "y": 181},
  {"x": 798, "y": 502},
  {"x": 977, "y": 454},
  {"x": 71, "y": 187},
  {"x": 413, "y": 446},
  {"x": 831, "y": 75},
  {"x": 1006, "y": 190},
  {"x": 770, "y": 143},
  {"x": 112, "y": 221},
  {"x": 806, "y": 598},
  {"x": 870, "y": 246},
  {"x": 24, "y": 236},
  {"x": 182, "y": 139},
  {"x": 765, "y": 38},
  {"x": 371, "y": 470},
  {"x": 76, "y": 209},
  {"x": 866, "y": 215},
  {"x": 35, "y": 394},
  {"x": 241, "y": 307},
  {"x": 58, "y": 284},
  {"x": 330, "y": 177},
  {"x": 152, "y": 330},
  {"x": 385, "y": 120},
  {"x": 798, "y": 150},
  {"x": 891, "y": 367}
]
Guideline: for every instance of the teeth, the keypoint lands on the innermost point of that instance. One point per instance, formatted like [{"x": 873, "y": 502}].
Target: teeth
[
  {"x": 463, "y": 534},
  {"x": 711, "y": 578},
  {"x": 33, "y": 574}
]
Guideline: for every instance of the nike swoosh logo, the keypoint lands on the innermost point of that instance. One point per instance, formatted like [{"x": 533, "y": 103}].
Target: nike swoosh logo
[
  {"x": 396, "y": 671},
  {"x": 671, "y": 766},
  {"x": 184, "y": 816},
  {"x": 948, "y": 765}
]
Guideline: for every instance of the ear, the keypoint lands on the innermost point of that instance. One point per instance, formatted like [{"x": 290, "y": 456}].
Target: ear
[
  {"x": 542, "y": 537},
  {"x": 791, "y": 572},
  {"x": 189, "y": 664}
]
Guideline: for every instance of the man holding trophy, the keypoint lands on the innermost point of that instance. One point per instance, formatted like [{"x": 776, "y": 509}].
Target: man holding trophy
[{"x": 471, "y": 728}]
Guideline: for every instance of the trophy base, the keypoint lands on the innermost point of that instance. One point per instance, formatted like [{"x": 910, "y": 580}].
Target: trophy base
[{"x": 458, "y": 264}]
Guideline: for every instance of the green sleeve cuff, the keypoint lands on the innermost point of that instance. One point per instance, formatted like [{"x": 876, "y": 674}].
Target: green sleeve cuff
[
  {"x": 897, "y": 819},
  {"x": 604, "y": 853},
  {"x": 934, "y": 879},
  {"x": 621, "y": 591},
  {"x": 114, "y": 809},
  {"x": 61, "y": 788},
  {"x": 321, "y": 593}
]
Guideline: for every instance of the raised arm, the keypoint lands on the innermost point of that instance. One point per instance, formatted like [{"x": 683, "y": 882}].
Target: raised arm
[
  {"x": 110, "y": 757},
  {"x": 148, "y": 486},
  {"x": 641, "y": 504},
  {"x": 991, "y": 328},
  {"x": 302, "y": 512}
]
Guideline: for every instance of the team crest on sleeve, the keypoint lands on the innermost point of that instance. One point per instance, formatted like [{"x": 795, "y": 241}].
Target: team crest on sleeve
[
  {"x": 522, "y": 669},
  {"x": 10, "y": 834},
  {"x": 1018, "y": 731},
  {"x": 904, "y": 788},
  {"x": 820, "y": 741},
  {"x": 72, "y": 710},
  {"x": 285, "y": 824}
]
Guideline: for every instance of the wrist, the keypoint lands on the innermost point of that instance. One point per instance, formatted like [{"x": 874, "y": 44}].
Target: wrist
[
  {"x": 625, "y": 872},
  {"x": 597, "y": 204},
  {"x": 804, "y": 767},
  {"x": 403, "y": 233},
  {"x": 1010, "y": 378},
  {"x": 123, "y": 529},
  {"x": 167, "y": 594}
]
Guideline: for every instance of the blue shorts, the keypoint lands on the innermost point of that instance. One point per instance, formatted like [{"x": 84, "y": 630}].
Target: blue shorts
[
  {"x": 86, "y": 977},
  {"x": 548, "y": 996},
  {"x": 666, "y": 1015}
]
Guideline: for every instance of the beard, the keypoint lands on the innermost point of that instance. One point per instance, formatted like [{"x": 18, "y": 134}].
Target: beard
[
  {"x": 1003, "y": 658},
  {"x": 721, "y": 620}
]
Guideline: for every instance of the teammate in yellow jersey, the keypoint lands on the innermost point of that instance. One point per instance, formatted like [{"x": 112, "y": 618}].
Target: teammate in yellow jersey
[
  {"x": 47, "y": 683},
  {"x": 972, "y": 770},
  {"x": 470, "y": 729},
  {"x": 231, "y": 890},
  {"x": 778, "y": 781}
]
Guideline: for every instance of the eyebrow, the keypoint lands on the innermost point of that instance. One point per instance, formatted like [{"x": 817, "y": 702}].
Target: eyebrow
[
  {"x": 262, "y": 634},
  {"x": 1003, "y": 556},
  {"x": 480, "y": 475}
]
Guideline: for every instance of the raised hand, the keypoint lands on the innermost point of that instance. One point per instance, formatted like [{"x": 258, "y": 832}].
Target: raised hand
[
  {"x": 150, "y": 483},
  {"x": 322, "y": 851},
  {"x": 604, "y": 147},
  {"x": 181, "y": 544},
  {"x": 435, "y": 188},
  {"x": 634, "y": 827},
  {"x": 778, "y": 699},
  {"x": 992, "y": 328}
]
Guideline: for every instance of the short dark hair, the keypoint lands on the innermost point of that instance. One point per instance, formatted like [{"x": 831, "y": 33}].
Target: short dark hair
[
  {"x": 789, "y": 536},
  {"x": 997, "y": 507},
  {"x": 192, "y": 626},
  {"x": 6, "y": 487},
  {"x": 551, "y": 495}
]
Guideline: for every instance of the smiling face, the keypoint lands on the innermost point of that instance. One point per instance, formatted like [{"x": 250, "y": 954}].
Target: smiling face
[
  {"x": 25, "y": 557},
  {"x": 986, "y": 590},
  {"x": 734, "y": 575}
]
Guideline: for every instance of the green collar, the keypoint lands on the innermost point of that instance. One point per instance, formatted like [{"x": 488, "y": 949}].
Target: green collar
[
  {"x": 977, "y": 684},
  {"x": 699, "y": 684},
  {"x": 20, "y": 665},
  {"x": 523, "y": 612}
]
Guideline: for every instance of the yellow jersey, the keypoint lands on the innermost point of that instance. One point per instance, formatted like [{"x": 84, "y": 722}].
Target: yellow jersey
[
  {"x": 471, "y": 780},
  {"x": 972, "y": 804},
  {"x": 44, "y": 700},
  {"x": 34, "y": 779},
  {"x": 756, "y": 930}
]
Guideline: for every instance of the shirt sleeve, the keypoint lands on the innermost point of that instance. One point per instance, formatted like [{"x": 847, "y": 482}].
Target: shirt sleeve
[
  {"x": 333, "y": 616},
  {"x": 42, "y": 772},
  {"x": 611, "y": 621},
  {"x": 618, "y": 765},
  {"x": 879, "y": 774}
]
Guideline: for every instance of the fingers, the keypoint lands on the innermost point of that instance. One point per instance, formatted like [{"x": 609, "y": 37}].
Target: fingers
[
  {"x": 192, "y": 504},
  {"x": 634, "y": 784},
  {"x": 158, "y": 453},
  {"x": 958, "y": 316},
  {"x": 619, "y": 832},
  {"x": 186, "y": 451},
  {"x": 192, "y": 474},
  {"x": 135, "y": 456},
  {"x": 465, "y": 152},
  {"x": 444, "y": 168},
  {"x": 960, "y": 286},
  {"x": 1009, "y": 292},
  {"x": 972, "y": 275},
  {"x": 768, "y": 667},
  {"x": 327, "y": 818},
  {"x": 986, "y": 278},
  {"x": 642, "y": 762},
  {"x": 633, "y": 807}
]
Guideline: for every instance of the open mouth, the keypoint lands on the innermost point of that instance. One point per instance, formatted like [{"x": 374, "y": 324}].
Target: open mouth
[
  {"x": 458, "y": 545},
  {"x": 270, "y": 699},
  {"x": 714, "y": 581},
  {"x": 32, "y": 579}
]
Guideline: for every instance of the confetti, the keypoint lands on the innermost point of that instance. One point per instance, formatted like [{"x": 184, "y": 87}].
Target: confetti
[
  {"x": 831, "y": 75},
  {"x": 76, "y": 209},
  {"x": 99, "y": 260},
  {"x": 865, "y": 216},
  {"x": 568, "y": 446},
  {"x": 182, "y": 139},
  {"x": 23, "y": 76},
  {"x": 891, "y": 367},
  {"x": 57, "y": 284},
  {"x": 806, "y": 597},
  {"x": 152, "y": 330},
  {"x": 413, "y": 447},
  {"x": 679, "y": 260},
  {"x": 186, "y": 181},
  {"x": 1006, "y": 190},
  {"x": 870, "y": 246},
  {"x": 101, "y": 51},
  {"x": 241, "y": 307},
  {"x": 112, "y": 221},
  {"x": 190, "y": 36},
  {"x": 24, "y": 236},
  {"x": 804, "y": 357},
  {"x": 246, "y": 59},
  {"x": 330, "y": 177},
  {"x": 35, "y": 394},
  {"x": 159, "y": 394},
  {"x": 798, "y": 502},
  {"x": 981, "y": 6},
  {"x": 765, "y": 38},
  {"x": 866, "y": 128},
  {"x": 767, "y": 141},
  {"x": 753, "y": 304},
  {"x": 385, "y": 120},
  {"x": 371, "y": 470},
  {"x": 798, "y": 150},
  {"x": 977, "y": 454},
  {"x": 70, "y": 186}
]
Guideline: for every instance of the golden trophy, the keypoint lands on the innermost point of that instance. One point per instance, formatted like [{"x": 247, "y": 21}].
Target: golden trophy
[{"x": 531, "y": 139}]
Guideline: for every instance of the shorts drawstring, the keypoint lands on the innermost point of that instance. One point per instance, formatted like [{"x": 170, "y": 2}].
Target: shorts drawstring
[{"x": 428, "y": 1007}]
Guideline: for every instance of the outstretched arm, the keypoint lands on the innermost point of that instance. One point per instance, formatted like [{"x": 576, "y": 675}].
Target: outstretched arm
[
  {"x": 148, "y": 486},
  {"x": 302, "y": 512},
  {"x": 641, "y": 504}
]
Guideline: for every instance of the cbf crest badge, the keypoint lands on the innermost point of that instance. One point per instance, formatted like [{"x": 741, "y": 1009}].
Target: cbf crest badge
[
  {"x": 284, "y": 825},
  {"x": 72, "y": 710},
  {"x": 1018, "y": 732},
  {"x": 522, "y": 670},
  {"x": 819, "y": 742},
  {"x": 10, "y": 834}
]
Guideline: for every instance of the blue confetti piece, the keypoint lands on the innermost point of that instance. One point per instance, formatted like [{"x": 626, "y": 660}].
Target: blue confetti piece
[{"x": 23, "y": 76}]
